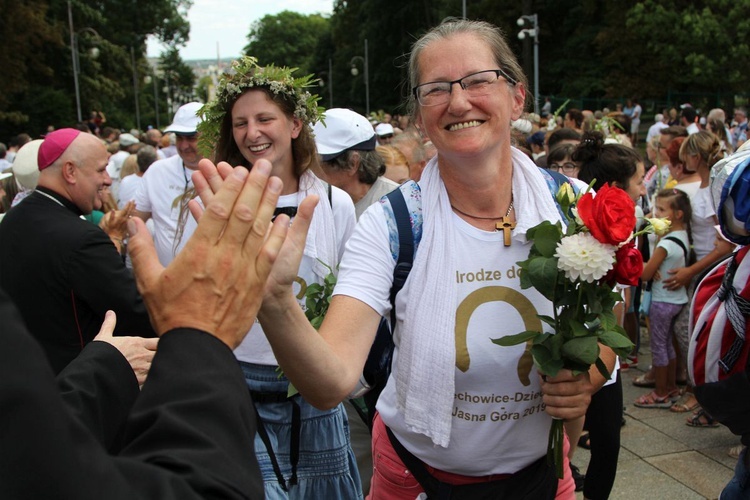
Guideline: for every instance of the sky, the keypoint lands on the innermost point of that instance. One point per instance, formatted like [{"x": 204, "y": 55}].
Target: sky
[{"x": 227, "y": 22}]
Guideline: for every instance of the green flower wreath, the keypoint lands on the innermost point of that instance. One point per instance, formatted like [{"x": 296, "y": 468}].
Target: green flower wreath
[{"x": 246, "y": 73}]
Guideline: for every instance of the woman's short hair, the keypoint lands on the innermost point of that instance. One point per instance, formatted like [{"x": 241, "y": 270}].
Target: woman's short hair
[{"x": 560, "y": 152}]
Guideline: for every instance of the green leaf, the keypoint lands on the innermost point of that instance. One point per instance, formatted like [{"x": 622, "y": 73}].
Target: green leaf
[
  {"x": 291, "y": 391},
  {"x": 313, "y": 289},
  {"x": 546, "y": 238},
  {"x": 545, "y": 362},
  {"x": 608, "y": 319},
  {"x": 581, "y": 349},
  {"x": 543, "y": 274},
  {"x": 578, "y": 329},
  {"x": 547, "y": 319},
  {"x": 316, "y": 322},
  {"x": 554, "y": 344},
  {"x": 615, "y": 340},
  {"x": 519, "y": 338},
  {"x": 543, "y": 338}
]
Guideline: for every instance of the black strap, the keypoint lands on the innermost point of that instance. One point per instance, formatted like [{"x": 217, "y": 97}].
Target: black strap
[
  {"x": 261, "y": 397},
  {"x": 405, "y": 246},
  {"x": 290, "y": 211},
  {"x": 680, "y": 244}
]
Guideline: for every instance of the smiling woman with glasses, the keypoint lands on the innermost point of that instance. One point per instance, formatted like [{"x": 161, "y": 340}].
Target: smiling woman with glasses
[{"x": 444, "y": 420}]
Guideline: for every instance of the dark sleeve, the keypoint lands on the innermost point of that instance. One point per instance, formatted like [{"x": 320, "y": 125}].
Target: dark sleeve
[
  {"x": 99, "y": 389},
  {"x": 190, "y": 437},
  {"x": 100, "y": 278}
]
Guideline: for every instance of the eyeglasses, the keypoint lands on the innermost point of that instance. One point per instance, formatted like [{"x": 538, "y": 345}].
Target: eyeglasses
[
  {"x": 565, "y": 167},
  {"x": 475, "y": 84}
]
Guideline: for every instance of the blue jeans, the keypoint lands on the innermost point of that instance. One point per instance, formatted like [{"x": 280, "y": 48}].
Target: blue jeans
[
  {"x": 739, "y": 487},
  {"x": 327, "y": 467}
]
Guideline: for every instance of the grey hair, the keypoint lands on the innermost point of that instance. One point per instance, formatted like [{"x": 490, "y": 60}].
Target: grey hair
[
  {"x": 371, "y": 165},
  {"x": 145, "y": 157},
  {"x": 492, "y": 35}
]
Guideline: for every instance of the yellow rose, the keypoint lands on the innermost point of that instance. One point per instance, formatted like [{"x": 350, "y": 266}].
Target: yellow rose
[
  {"x": 565, "y": 195},
  {"x": 661, "y": 226}
]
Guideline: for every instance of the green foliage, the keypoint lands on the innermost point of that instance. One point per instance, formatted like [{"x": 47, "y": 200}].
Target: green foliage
[
  {"x": 318, "y": 298},
  {"x": 286, "y": 39}
]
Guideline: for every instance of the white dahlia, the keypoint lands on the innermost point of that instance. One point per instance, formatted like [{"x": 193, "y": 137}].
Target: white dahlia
[{"x": 581, "y": 256}]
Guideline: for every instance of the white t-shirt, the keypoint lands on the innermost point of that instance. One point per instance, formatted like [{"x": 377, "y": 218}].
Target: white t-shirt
[
  {"x": 689, "y": 188},
  {"x": 255, "y": 348},
  {"x": 128, "y": 187},
  {"x": 498, "y": 424},
  {"x": 113, "y": 169},
  {"x": 675, "y": 259},
  {"x": 161, "y": 192},
  {"x": 702, "y": 223}
]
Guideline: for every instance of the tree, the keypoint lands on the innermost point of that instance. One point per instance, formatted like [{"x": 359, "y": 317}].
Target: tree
[
  {"x": 287, "y": 39},
  {"x": 685, "y": 46},
  {"x": 37, "y": 53}
]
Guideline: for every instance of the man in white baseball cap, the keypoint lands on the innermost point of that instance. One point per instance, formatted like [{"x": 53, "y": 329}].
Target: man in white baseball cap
[
  {"x": 346, "y": 145},
  {"x": 385, "y": 133},
  {"x": 167, "y": 186}
]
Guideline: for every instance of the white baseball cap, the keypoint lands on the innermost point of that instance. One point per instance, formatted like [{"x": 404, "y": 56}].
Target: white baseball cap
[
  {"x": 384, "y": 129},
  {"x": 186, "y": 119},
  {"x": 343, "y": 130}
]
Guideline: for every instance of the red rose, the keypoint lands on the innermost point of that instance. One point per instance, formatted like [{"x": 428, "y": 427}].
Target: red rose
[
  {"x": 610, "y": 215},
  {"x": 628, "y": 266}
]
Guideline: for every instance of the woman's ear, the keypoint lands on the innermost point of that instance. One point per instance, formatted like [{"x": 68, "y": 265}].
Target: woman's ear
[{"x": 296, "y": 127}]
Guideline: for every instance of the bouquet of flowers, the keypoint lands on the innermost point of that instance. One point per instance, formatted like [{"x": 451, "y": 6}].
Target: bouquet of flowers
[{"x": 576, "y": 269}]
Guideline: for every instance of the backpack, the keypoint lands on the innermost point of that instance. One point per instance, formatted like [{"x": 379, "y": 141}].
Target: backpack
[
  {"x": 719, "y": 351},
  {"x": 377, "y": 368}
]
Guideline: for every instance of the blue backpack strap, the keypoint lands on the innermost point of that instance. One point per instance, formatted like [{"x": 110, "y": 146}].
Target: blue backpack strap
[
  {"x": 405, "y": 244},
  {"x": 554, "y": 181}
]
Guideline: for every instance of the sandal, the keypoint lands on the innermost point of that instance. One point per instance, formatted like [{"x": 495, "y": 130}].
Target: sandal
[
  {"x": 701, "y": 419},
  {"x": 642, "y": 381},
  {"x": 653, "y": 400},
  {"x": 682, "y": 406}
]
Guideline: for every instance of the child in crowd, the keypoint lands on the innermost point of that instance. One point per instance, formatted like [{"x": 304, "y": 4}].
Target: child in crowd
[{"x": 671, "y": 252}]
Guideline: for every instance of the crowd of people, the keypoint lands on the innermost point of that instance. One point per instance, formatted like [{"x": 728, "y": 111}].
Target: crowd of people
[{"x": 250, "y": 211}]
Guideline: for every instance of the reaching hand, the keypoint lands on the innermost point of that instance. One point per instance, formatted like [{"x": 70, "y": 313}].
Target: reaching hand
[
  {"x": 678, "y": 278},
  {"x": 209, "y": 179},
  {"x": 139, "y": 351},
  {"x": 115, "y": 224},
  {"x": 216, "y": 282}
]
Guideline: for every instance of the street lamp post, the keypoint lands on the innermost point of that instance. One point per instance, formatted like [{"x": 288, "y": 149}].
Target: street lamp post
[
  {"x": 533, "y": 32},
  {"x": 148, "y": 79},
  {"x": 328, "y": 76},
  {"x": 74, "y": 51},
  {"x": 135, "y": 89},
  {"x": 355, "y": 72}
]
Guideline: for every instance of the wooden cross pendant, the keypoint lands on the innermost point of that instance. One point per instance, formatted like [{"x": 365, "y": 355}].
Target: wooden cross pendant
[{"x": 506, "y": 226}]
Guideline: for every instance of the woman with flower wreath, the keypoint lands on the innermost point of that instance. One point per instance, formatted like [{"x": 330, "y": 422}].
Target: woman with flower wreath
[
  {"x": 265, "y": 113},
  {"x": 470, "y": 418}
]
